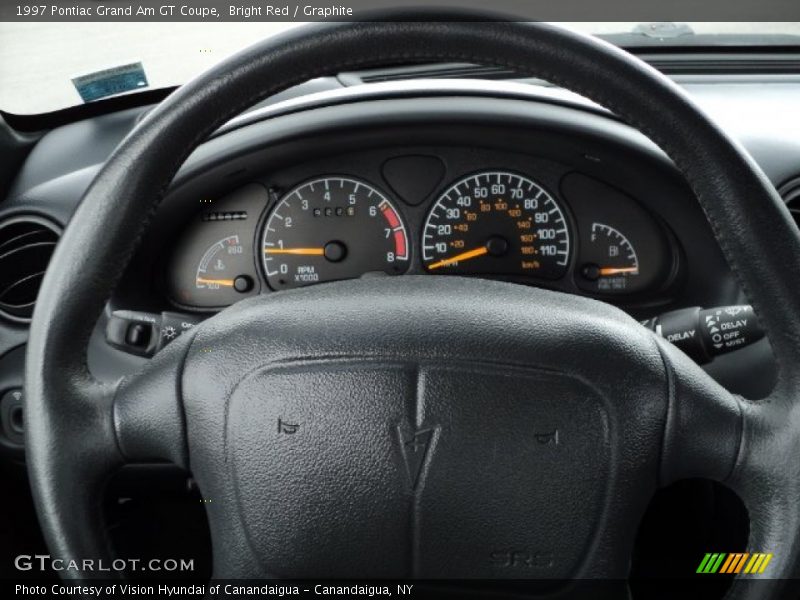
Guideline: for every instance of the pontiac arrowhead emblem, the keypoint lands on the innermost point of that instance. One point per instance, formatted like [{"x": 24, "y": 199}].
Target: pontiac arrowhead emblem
[{"x": 415, "y": 447}]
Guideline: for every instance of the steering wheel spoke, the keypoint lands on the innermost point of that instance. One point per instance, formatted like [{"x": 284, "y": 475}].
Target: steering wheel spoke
[
  {"x": 70, "y": 439},
  {"x": 767, "y": 479},
  {"x": 703, "y": 432},
  {"x": 747, "y": 445},
  {"x": 148, "y": 410}
]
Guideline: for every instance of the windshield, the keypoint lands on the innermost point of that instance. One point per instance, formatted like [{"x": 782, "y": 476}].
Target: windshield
[{"x": 50, "y": 66}]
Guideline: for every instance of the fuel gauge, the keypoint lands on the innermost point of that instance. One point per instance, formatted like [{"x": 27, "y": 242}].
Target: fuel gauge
[
  {"x": 610, "y": 264},
  {"x": 623, "y": 250}
]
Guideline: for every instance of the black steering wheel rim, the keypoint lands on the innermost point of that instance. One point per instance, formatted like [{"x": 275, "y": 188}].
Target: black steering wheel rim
[{"x": 74, "y": 438}]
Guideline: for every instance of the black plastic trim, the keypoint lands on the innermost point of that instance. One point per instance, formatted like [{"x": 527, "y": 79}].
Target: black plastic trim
[{"x": 50, "y": 120}]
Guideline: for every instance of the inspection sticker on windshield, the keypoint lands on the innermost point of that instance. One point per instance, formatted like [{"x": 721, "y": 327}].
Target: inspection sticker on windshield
[{"x": 110, "y": 82}]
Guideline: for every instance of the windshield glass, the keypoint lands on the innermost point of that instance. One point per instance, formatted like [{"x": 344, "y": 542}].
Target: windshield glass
[{"x": 50, "y": 66}]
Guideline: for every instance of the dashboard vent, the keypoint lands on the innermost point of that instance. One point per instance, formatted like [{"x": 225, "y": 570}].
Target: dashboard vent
[
  {"x": 427, "y": 71},
  {"x": 725, "y": 63},
  {"x": 26, "y": 245},
  {"x": 790, "y": 192}
]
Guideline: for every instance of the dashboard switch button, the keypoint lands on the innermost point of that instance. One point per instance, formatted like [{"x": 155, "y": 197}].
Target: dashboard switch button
[
  {"x": 173, "y": 325},
  {"x": 133, "y": 331},
  {"x": 145, "y": 333},
  {"x": 138, "y": 335}
]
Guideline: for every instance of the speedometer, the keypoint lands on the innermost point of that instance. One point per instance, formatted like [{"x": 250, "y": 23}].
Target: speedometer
[
  {"x": 332, "y": 228},
  {"x": 497, "y": 223}
]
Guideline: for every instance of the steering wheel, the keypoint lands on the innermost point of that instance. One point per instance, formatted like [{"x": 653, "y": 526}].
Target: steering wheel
[{"x": 418, "y": 426}]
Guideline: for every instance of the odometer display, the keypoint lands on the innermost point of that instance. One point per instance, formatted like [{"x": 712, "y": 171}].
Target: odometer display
[
  {"x": 496, "y": 223},
  {"x": 332, "y": 228}
]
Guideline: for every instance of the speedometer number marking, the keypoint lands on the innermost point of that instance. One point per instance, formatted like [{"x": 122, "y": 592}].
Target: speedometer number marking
[{"x": 497, "y": 223}]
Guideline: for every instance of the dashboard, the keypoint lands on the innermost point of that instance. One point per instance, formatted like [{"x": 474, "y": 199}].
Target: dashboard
[
  {"x": 499, "y": 180},
  {"x": 422, "y": 210}
]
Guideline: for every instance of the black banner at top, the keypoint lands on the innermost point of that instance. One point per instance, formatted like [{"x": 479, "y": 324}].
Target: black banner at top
[{"x": 339, "y": 10}]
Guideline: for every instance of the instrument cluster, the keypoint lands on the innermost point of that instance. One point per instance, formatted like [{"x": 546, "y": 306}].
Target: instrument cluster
[{"x": 530, "y": 221}]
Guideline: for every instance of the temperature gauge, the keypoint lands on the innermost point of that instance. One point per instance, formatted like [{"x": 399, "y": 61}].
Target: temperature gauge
[
  {"x": 213, "y": 265},
  {"x": 219, "y": 267}
]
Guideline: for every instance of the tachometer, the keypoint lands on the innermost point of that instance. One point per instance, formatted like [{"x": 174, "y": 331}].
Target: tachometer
[
  {"x": 497, "y": 223},
  {"x": 332, "y": 228}
]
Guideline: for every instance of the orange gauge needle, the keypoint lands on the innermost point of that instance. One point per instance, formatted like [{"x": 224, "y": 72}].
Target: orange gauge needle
[
  {"x": 225, "y": 282},
  {"x": 618, "y": 271},
  {"x": 459, "y": 257},
  {"x": 303, "y": 251}
]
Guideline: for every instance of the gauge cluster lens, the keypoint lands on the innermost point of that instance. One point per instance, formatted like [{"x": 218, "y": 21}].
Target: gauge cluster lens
[
  {"x": 591, "y": 238},
  {"x": 332, "y": 228},
  {"x": 496, "y": 223}
]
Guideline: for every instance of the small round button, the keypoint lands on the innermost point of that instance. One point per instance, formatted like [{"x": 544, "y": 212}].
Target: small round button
[
  {"x": 335, "y": 251},
  {"x": 243, "y": 284},
  {"x": 590, "y": 271},
  {"x": 497, "y": 246}
]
